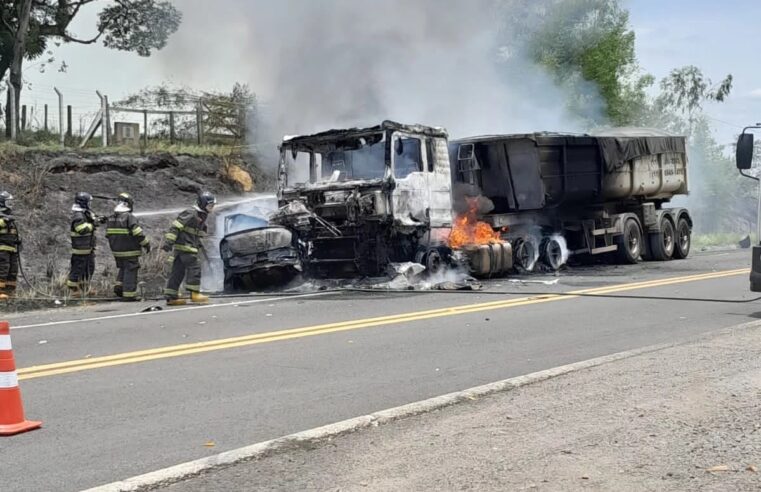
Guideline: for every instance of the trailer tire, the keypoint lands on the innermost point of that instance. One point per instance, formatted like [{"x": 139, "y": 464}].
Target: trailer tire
[
  {"x": 683, "y": 239},
  {"x": 551, "y": 253},
  {"x": 630, "y": 242},
  {"x": 662, "y": 243},
  {"x": 525, "y": 254}
]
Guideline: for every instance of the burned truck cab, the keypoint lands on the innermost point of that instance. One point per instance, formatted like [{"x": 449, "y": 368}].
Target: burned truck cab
[{"x": 362, "y": 198}]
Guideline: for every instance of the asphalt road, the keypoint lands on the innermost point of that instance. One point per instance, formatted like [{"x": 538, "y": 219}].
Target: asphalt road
[{"x": 122, "y": 394}]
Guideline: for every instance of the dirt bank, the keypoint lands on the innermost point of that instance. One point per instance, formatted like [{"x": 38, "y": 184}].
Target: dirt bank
[{"x": 44, "y": 184}]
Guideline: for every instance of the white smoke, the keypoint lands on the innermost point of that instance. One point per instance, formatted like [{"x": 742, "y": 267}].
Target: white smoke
[{"x": 339, "y": 63}]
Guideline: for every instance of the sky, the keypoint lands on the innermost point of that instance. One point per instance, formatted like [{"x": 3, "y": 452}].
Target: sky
[{"x": 718, "y": 37}]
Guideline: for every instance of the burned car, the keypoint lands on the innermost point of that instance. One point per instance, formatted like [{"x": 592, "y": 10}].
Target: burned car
[
  {"x": 361, "y": 199},
  {"x": 256, "y": 255}
]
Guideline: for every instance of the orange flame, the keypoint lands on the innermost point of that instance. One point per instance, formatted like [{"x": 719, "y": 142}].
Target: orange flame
[{"x": 467, "y": 229}]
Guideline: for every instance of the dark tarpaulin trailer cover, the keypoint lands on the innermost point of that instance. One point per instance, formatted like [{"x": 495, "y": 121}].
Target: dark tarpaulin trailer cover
[{"x": 622, "y": 145}]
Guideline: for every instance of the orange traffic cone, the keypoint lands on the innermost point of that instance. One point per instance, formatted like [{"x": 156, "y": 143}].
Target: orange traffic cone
[{"x": 11, "y": 410}]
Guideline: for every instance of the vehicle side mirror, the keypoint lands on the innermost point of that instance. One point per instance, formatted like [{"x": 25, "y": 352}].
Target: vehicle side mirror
[{"x": 744, "y": 154}]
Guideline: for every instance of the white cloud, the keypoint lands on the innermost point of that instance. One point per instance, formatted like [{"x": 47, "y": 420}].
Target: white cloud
[{"x": 755, "y": 93}]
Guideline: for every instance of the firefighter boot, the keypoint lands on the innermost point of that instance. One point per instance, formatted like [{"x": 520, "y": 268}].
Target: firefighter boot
[
  {"x": 198, "y": 298},
  {"x": 3, "y": 291},
  {"x": 174, "y": 301}
]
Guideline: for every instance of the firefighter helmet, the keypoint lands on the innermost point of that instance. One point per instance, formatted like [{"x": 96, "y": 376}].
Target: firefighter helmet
[
  {"x": 206, "y": 201},
  {"x": 83, "y": 199},
  {"x": 5, "y": 198},
  {"x": 125, "y": 201}
]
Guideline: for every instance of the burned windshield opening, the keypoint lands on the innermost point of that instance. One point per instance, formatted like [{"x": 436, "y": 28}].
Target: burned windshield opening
[{"x": 346, "y": 159}]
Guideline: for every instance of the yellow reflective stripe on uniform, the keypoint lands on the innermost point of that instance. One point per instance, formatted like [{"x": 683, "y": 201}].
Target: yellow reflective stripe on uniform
[
  {"x": 185, "y": 249},
  {"x": 126, "y": 254},
  {"x": 116, "y": 231},
  {"x": 81, "y": 251},
  {"x": 137, "y": 230},
  {"x": 129, "y": 294},
  {"x": 179, "y": 225},
  {"x": 71, "y": 284},
  {"x": 83, "y": 226},
  {"x": 170, "y": 236},
  {"x": 2, "y": 222},
  {"x": 74, "y": 234},
  {"x": 193, "y": 288},
  {"x": 4, "y": 247},
  {"x": 194, "y": 232},
  {"x": 145, "y": 242},
  {"x": 170, "y": 292}
]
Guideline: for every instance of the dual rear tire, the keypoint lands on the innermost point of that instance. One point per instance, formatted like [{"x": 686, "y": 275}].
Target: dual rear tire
[{"x": 670, "y": 242}]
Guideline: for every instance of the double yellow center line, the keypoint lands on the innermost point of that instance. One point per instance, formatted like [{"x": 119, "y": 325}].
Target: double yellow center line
[{"x": 246, "y": 340}]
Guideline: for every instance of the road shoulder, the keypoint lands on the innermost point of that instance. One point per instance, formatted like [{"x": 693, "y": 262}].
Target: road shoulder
[{"x": 677, "y": 418}]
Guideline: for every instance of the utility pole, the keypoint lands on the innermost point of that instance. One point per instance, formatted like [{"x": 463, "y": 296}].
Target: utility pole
[{"x": 46, "y": 118}]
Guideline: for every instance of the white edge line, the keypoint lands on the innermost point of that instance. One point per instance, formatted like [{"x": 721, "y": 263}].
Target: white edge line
[
  {"x": 281, "y": 444},
  {"x": 167, "y": 311}
]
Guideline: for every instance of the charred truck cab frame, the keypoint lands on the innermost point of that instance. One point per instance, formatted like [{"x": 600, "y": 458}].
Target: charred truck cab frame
[{"x": 360, "y": 199}]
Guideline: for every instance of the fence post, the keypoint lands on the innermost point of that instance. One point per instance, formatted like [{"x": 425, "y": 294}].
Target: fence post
[
  {"x": 46, "y": 118},
  {"x": 69, "y": 124},
  {"x": 171, "y": 127},
  {"x": 199, "y": 122},
  {"x": 145, "y": 128},
  {"x": 60, "y": 117},
  {"x": 23, "y": 117},
  {"x": 103, "y": 127},
  {"x": 12, "y": 110},
  {"x": 107, "y": 120}
]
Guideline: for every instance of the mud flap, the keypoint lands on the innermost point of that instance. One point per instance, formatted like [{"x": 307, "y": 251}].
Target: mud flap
[{"x": 755, "y": 272}]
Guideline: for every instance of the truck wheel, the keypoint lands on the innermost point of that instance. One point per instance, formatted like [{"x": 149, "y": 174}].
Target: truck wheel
[
  {"x": 662, "y": 243},
  {"x": 525, "y": 255},
  {"x": 683, "y": 239},
  {"x": 630, "y": 243},
  {"x": 434, "y": 263},
  {"x": 552, "y": 253}
]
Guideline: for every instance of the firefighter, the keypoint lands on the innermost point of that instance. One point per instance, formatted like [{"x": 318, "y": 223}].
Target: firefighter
[
  {"x": 184, "y": 239},
  {"x": 83, "y": 225},
  {"x": 10, "y": 246},
  {"x": 127, "y": 241}
]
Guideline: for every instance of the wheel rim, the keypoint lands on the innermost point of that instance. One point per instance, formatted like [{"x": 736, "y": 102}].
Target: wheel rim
[
  {"x": 526, "y": 255},
  {"x": 433, "y": 262},
  {"x": 668, "y": 239},
  {"x": 553, "y": 254},
  {"x": 633, "y": 243},
  {"x": 684, "y": 238}
]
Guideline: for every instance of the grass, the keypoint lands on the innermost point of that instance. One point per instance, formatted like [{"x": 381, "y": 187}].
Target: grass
[
  {"x": 154, "y": 147},
  {"x": 719, "y": 239}
]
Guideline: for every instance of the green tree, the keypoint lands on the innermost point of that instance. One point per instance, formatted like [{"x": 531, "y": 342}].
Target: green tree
[
  {"x": 28, "y": 27},
  {"x": 590, "y": 41}
]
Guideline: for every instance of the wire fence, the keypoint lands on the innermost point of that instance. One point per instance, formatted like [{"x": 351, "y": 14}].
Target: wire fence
[{"x": 81, "y": 116}]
